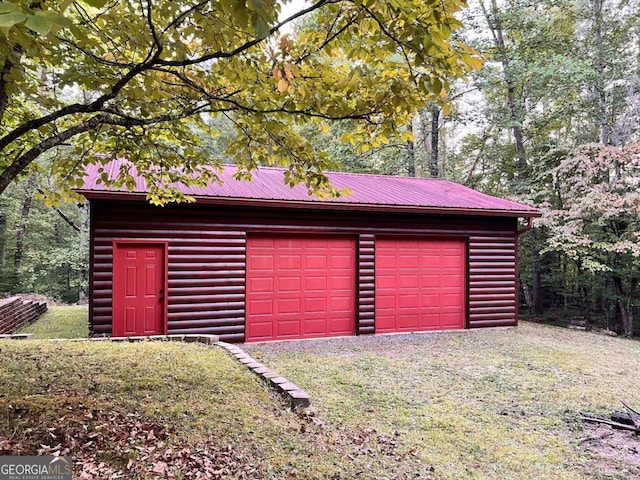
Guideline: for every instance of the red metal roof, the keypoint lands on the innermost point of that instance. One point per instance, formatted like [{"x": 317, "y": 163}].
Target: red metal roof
[{"x": 367, "y": 192}]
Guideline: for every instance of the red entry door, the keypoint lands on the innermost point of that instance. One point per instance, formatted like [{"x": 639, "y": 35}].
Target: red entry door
[
  {"x": 420, "y": 284},
  {"x": 138, "y": 289}
]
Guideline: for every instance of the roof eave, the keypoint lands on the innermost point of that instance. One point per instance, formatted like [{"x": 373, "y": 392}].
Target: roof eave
[{"x": 318, "y": 205}]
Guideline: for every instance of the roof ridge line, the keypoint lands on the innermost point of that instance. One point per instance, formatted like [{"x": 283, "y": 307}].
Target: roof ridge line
[{"x": 402, "y": 177}]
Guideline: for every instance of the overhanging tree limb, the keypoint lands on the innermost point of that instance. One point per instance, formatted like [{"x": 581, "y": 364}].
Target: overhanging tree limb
[{"x": 172, "y": 60}]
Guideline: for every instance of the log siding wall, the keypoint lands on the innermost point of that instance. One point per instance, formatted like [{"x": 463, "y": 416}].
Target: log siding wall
[
  {"x": 492, "y": 294},
  {"x": 207, "y": 259},
  {"x": 366, "y": 284}
]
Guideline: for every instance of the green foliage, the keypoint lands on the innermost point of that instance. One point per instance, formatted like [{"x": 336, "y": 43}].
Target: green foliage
[
  {"x": 140, "y": 80},
  {"x": 593, "y": 216},
  {"x": 53, "y": 255}
]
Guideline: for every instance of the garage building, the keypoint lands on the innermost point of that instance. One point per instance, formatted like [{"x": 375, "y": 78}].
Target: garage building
[{"x": 256, "y": 261}]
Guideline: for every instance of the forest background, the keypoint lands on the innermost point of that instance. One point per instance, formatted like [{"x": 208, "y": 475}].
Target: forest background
[{"x": 552, "y": 119}]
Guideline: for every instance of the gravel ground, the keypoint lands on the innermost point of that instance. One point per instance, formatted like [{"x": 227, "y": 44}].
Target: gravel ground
[{"x": 386, "y": 344}]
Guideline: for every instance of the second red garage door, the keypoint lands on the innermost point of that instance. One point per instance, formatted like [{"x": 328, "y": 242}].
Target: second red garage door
[
  {"x": 420, "y": 284},
  {"x": 300, "y": 287}
]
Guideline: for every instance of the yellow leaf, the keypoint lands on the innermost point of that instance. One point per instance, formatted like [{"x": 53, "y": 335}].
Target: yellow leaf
[
  {"x": 407, "y": 136},
  {"x": 476, "y": 63},
  {"x": 282, "y": 85},
  {"x": 288, "y": 72}
]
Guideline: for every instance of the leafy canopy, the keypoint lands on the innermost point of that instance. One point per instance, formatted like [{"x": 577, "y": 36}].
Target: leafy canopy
[
  {"x": 143, "y": 78},
  {"x": 595, "y": 216}
]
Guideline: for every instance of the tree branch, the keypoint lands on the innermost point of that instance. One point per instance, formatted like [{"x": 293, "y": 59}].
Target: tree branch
[
  {"x": 329, "y": 37},
  {"x": 246, "y": 46},
  {"x": 25, "y": 159},
  {"x": 245, "y": 108},
  {"x": 156, "y": 40},
  {"x": 62, "y": 215},
  {"x": 106, "y": 117},
  {"x": 92, "y": 107},
  {"x": 93, "y": 56},
  {"x": 176, "y": 21}
]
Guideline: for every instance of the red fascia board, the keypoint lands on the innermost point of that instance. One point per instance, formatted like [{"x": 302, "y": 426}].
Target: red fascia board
[{"x": 338, "y": 206}]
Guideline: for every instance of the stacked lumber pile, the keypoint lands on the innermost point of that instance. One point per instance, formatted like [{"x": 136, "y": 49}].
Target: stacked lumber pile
[{"x": 18, "y": 311}]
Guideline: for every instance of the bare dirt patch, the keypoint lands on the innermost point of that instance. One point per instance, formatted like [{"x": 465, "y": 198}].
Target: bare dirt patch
[{"x": 616, "y": 452}]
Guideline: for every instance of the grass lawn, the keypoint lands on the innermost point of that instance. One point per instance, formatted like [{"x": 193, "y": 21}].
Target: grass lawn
[
  {"x": 60, "y": 322},
  {"x": 492, "y": 404}
]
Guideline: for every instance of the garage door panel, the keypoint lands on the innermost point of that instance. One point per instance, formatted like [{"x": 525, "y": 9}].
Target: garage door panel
[
  {"x": 261, "y": 262},
  {"x": 341, "y": 303},
  {"x": 429, "y": 299},
  {"x": 315, "y": 305},
  {"x": 431, "y": 281},
  {"x": 289, "y": 262},
  {"x": 263, "y": 242},
  {"x": 316, "y": 261},
  {"x": 408, "y": 301},
  {"x": 450, "y": 262},
  {"x": 420, "y": 284},
  {"x": 407, "y": 281},
  {"x": 263, "y": 329},
  {"x": 262, "y": 307},
  {"x": 408, "y": 321},
  {"x": 385, "y": 323},
  {"x": 385, "y": 281},
  {"x": 385, "y": 302},
  {"x": 342, "y": 282},
  {"x": 315, "y": 284},
  {"x": 288, "y": 305},
  {"x": 315, "y": 327},
  {"x": 263, "y": 285},
  {"x": 407, "y": 261},
  {"x": 289, "y": 284},
  {"x": 384, "y": 260},
  {"x": 450, "y": 300},
  {"x": 311, "y": 287},
  {"x": 451, "y": 281},
  {"x": 288, "y": 328}
]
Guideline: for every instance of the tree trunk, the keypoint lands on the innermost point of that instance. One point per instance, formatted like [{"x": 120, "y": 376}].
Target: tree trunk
[
  {"x": 528, "y": 298},
  {"x": 435, "y": 139},
  {"x": 536, "y": 293},
  {"x": 84, "y": 248},
  {"x": 3, "y": 248},
  {"x": 585, "y": 305},
  {"x": 22, "y": 230},
  {"x": 599, "y": 67},
  {"x": 10, "y": 62},
  {"x": 513, "y": 104},
  {"x": 411, "y": 155},
  {"x": 624, "y": 316}
]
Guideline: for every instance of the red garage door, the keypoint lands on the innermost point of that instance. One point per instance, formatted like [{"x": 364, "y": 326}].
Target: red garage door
[
  {"x": 420, "y": 284},
  {"x": 300, "y": 287}
]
